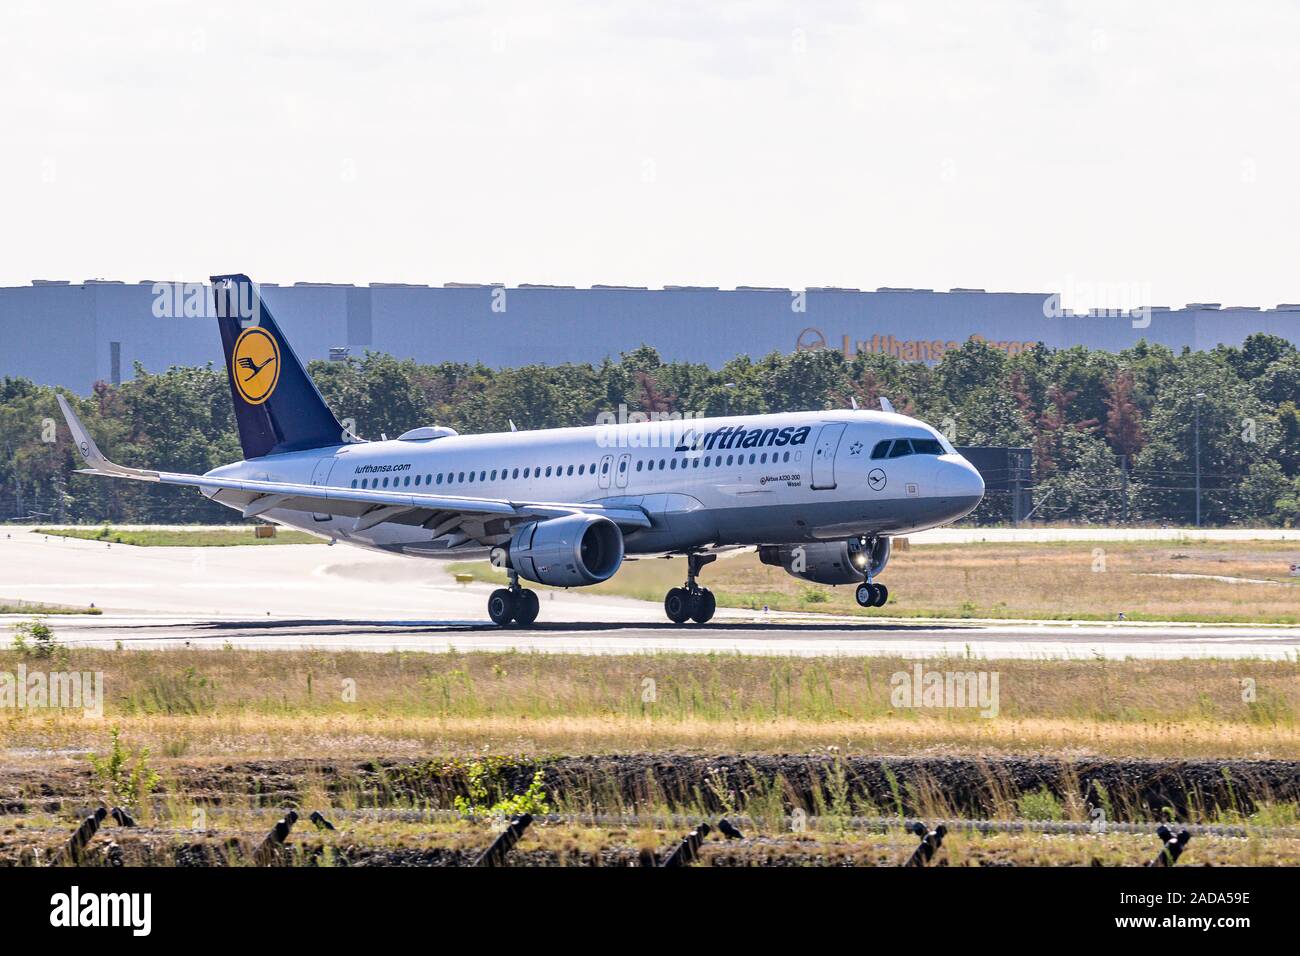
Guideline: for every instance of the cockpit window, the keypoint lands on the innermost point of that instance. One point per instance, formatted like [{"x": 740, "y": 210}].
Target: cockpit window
[
  {"x": 881, "y": 450},
  {"x": 927, "y": 446},
  {"x": 901, "y": 447}
]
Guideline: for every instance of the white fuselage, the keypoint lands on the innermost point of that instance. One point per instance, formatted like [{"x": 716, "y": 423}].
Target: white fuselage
[{"x": 742, "y": 480}]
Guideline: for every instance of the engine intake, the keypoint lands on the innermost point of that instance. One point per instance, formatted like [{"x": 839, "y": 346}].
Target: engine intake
[
  {"x": 567, "y": 552},
  {"x": 829, "y": 562}
]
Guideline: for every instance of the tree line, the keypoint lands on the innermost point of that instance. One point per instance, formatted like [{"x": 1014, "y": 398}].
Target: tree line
[{"x": 1113, "y": 436}]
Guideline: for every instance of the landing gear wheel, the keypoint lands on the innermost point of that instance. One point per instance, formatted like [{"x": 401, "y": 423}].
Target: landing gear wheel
[
  {"x": 677, "y": 605},
  {"x": 526, "y": 607},
  {"x": 501, "y": 606},
  {"x": 872, "y": 595},
  {"x": 703, "y": 606}
]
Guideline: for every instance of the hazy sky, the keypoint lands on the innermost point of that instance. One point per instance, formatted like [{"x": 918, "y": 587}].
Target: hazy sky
[{"x": 1116, "y": 151}]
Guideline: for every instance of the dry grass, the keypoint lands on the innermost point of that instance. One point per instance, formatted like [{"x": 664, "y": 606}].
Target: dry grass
[
  {"x": 198, "y": 703},
  {"x": 339, "y": 736},
  {"x": 1055, "y": 581}
]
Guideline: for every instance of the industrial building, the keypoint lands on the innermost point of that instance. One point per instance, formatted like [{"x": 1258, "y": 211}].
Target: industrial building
[{"x": 73, "y": 334}]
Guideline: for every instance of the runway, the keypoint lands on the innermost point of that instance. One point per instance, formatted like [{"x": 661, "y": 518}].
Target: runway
[
  {"x": 802, "y": 635},
  {"x": 310, "y": 596}
]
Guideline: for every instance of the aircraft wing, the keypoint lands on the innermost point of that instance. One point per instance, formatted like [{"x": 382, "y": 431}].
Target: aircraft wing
[{"x": 482, "y": 519}]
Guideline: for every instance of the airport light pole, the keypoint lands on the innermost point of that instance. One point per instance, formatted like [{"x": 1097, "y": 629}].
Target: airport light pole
[
  {"x": 1197, "y": 431},
  {"x": 726, "y": 398}
]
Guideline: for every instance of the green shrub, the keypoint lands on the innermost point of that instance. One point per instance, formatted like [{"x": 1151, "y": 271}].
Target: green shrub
[{"x": 34, "y": 638}]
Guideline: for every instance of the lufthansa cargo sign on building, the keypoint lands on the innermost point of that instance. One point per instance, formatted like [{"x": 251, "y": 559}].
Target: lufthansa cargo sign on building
[{"x": 105, "y": 328}]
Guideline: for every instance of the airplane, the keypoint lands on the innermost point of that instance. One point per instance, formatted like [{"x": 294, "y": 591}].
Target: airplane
[{"x": 820, "y": 494}]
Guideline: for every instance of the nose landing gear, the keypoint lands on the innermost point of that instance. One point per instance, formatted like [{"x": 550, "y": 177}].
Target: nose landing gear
[
  {"x": 869, "y": 593},
  {"x": 513, "y": 603},
  {"x": 692, "y": 602}
]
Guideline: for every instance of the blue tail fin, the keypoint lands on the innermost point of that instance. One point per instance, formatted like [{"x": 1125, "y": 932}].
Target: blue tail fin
[{"x": 277, "y": 406}]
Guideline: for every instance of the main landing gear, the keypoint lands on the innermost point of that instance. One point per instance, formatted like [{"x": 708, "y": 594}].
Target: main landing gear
[
  {"x": 513, "y": 603},
  {"x": 872, "y": 595},
  {"x": 692, "y": 602}
]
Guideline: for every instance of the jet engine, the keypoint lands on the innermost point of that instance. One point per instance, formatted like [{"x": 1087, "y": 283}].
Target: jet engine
[
  {"x": 829, "y": 562},
  {"x": 567, "y": 552}
]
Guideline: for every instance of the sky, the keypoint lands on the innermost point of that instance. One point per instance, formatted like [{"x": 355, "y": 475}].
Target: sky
[{"x": 1120, "y": 153}]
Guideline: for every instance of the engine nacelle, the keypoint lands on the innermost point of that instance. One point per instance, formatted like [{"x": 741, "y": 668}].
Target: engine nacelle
[
  {"x": 829, "y": 562},
  {"x": 567, "y": 552}
]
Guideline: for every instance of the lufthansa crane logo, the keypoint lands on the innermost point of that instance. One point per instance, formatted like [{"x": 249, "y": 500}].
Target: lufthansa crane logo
[
  {"x": 810, "y": 340},
  {"x": 255, "y": 364}
]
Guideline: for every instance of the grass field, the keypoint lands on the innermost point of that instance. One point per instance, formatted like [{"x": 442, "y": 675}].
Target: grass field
[
  {"x": 38, "y": 608},
  {"x": 228, "y": 738},
  {"x": 222, "y": 703},
  {"x": 1040, "y": 581},
  {"x": 181, "y": 538}
]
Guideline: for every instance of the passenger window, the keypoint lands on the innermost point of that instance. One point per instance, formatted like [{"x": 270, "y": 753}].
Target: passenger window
[
  {"x": 439, "y": 477},
  {"x": 548, "y": 471},
  {"x": 570, "y": 471},
  {"x": 762, "y": 459},
  {"x": 881, "y": 450},
  {"x": 695, "y": 463},
  {"x": 901, "y": 447},
  {"x": 604, "y": 468},
  {"x": 580, "y": 468},
  {"x": 640, "y": 465},
  {"x": 729, "y": 457},
  {"x": 751, "y": 458},
  {"x": 460, "y": 476},
  {"x": 786, "y": 457},
  {"x": 428, "y": 479},
  {"x": 673, "y": 464},
  {"x": 385, "y": 482},
  {"x": 354, "y": 482},
  {"x": 622, "y": 467}
]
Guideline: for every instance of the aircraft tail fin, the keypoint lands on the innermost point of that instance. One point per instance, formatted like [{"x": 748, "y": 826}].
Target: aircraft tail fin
[{"x": 277, "y": 405}]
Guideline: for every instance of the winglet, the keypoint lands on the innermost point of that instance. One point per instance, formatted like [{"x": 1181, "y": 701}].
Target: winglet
[{"x": 90, "y": 451}]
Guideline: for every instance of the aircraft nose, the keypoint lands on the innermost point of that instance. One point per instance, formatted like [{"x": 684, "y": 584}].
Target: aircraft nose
[
  {"x": 971, "y": 481},
  {"x": 964, "y": 483}
]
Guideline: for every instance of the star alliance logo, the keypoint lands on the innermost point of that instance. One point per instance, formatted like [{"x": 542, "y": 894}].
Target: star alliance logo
[{"x": 855, "y": 448}]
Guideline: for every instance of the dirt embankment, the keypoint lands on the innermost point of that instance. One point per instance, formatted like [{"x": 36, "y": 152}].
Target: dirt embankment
[{"x": 955, "y": 786}]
